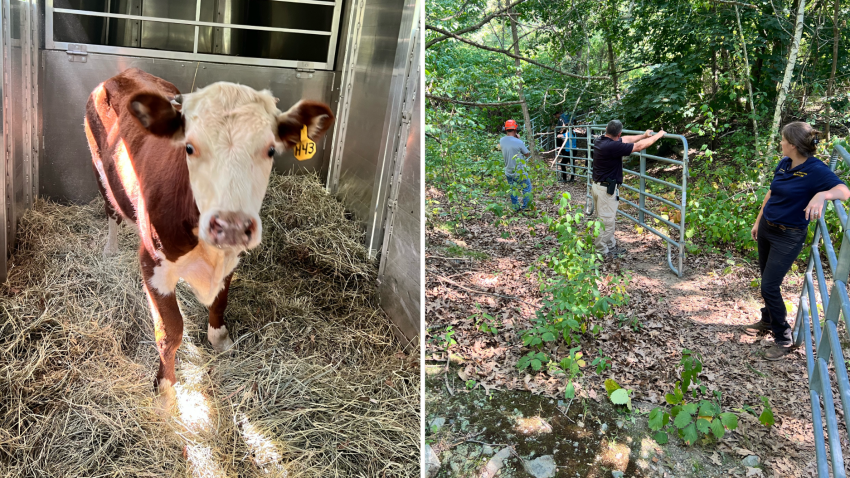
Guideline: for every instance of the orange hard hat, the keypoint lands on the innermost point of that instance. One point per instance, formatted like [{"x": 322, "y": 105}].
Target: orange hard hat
[{"x": 510, "y": 124}]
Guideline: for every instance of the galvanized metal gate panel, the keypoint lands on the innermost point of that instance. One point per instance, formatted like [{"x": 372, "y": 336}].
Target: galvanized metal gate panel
[
  {"x": 825, "y": 350},
  {"x": 566, "y": 157}
]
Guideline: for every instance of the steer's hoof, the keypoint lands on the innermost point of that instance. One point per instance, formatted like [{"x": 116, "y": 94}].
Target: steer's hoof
[
  {"x": 219, "y": 338},
  {"x": 110, "y": 249},
  {"x": 166, "y": 398}
]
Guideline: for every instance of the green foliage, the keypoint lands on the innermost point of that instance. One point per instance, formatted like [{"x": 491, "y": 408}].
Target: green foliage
[
  {"x": 617, "y": 394},
  {"x": 485, "y": 322},
  {"x": 690, "y": 420},
  {"x": 445, "y": 340},
  {"x": 535, "y": 360},
  {"x": 571, "y": 367},
  {"x": 766, "y": 417},
  {"x": 601, "y": 363},
  {"x": 570, "y": 280}
]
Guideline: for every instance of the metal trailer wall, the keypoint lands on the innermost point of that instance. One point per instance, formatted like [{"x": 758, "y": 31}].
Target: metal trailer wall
[
  {"x": 399, "y": 274},
  {"x": 375, "y": 166},
  {"x": 20, "y": 121}
]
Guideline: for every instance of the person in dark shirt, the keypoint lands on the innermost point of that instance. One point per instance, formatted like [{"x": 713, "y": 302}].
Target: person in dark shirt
[
  {"x": 608, "y": 152},
  {"x": 801, "y": 184}
]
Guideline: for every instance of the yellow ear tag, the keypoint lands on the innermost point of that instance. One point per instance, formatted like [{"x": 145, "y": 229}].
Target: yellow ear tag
[{"x": 306, "y": 149}]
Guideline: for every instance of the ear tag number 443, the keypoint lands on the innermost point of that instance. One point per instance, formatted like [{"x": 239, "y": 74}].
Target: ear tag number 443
[{"x": 306, "y": 149}]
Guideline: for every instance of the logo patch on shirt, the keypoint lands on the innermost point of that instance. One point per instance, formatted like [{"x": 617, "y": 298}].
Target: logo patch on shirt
[{"x": 800, "y": 174}]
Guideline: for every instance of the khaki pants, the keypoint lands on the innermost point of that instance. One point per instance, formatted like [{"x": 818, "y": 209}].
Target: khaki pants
[{"x": 605, "y": 206}]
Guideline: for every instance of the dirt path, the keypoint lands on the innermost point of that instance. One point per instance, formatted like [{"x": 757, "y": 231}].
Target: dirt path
[{"x": 702, "y": 311}]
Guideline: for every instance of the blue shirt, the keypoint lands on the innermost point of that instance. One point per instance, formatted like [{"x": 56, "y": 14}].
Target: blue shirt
[{"x": 793, "y": 189}]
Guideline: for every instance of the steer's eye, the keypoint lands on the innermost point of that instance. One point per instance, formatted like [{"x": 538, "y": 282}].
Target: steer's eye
[
  {"x": 190, "y": 150},
  {"x": 271, "y": 151}
]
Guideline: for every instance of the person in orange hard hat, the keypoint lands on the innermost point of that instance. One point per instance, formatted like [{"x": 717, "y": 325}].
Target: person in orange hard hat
[{"x": 515, "y": 152}]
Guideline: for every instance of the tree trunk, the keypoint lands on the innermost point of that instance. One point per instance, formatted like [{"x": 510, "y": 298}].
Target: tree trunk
[
  {"x": 612, "y": 67},
  {"x": 789, "y": 70},
  {"x": 749, "y": 85},
  {"x": 835, "y": 38},
  {"x": 529, "y": 134}
]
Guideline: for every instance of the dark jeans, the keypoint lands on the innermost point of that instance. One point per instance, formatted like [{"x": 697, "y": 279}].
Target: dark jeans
[
  {"x": 777, "y": 251},
  {"x": 518, "y": 183}
]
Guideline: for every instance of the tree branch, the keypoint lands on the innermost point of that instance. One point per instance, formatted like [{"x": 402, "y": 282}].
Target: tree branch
[
  {"x": 507, "y": 53},
  {"x": 474, "y": 27},
  {"x": 467, "y": 103},
  {"x": 730, "y": 2}
]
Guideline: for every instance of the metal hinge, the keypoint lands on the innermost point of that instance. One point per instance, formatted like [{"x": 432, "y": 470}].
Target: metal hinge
[
  {"x": 77, "y": 52},
  {"x": 303, "y": 70},
  {"x": 392, "y": 204},
  {"x": 405, "y": 117}
]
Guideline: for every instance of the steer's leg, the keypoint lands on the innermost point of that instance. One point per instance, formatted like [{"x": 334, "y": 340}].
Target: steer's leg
[
  {"x": 112, "y": 239},
  {"x": 217, "y": 331},
  {"x": 113, "y": 215},
  {"x": 168, "y": 331}
]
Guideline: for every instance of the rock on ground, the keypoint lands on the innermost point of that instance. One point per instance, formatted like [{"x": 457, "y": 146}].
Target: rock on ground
[
  {"x": 432, "y": 462},
  {"x": 542, "y": 467}
]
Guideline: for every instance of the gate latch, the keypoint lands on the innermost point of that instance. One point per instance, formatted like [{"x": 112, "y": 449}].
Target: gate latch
[{"x": 77, "y": 52}]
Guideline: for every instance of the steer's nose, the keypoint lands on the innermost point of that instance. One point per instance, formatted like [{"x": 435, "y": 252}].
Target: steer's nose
[{"x": 231, "y": 229}]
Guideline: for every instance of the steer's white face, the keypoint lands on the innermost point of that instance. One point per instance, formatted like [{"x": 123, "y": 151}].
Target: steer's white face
[
  {"x": 231, "y": 140},
  {"x": 230, "y": 134}
]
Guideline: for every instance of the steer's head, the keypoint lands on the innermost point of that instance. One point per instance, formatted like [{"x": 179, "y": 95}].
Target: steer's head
[{"x": 230, "y": 134}]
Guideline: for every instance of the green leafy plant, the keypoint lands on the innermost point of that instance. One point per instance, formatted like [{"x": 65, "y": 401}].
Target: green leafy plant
[
  {"x": 690, "y": 420},
  {"x": 445, "y": 340},
  {"x": 601, "y": 363},
  {"x": 766, "y": 417},
  {"x": 535, "y": 360},
  {"x": 571, "y": 366},
  {"x": 485, "y": 322},
  {"x": 470, "y": 384},
  {"x": 570, "y": 281},
  {"x": 617, "y": 394}
]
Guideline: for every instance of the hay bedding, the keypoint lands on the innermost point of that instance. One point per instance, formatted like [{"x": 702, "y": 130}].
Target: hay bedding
[{"x": 317, "y": 386}]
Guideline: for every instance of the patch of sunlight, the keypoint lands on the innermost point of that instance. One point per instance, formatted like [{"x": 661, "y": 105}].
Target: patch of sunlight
[
  {"x": 201, "y": 462},
  {"x": 532, "y": 426},
  {"x": 486, "y": 281},
  {"x": 264, "y": 451},
  {"x": 193, "y": 408},
  {"x": 614, "y": 455}
]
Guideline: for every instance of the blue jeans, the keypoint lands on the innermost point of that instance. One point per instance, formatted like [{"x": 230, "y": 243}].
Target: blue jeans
[
  {"x": 777, "y": 251},
  {"x": 525, "y": 183}
]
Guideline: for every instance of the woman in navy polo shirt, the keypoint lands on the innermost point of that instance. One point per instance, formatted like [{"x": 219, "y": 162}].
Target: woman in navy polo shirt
[{"x": 801, "y": 184}]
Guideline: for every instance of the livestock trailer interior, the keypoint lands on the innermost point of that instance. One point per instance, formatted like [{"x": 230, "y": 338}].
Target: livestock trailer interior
[{"x": 362, "y": 57}]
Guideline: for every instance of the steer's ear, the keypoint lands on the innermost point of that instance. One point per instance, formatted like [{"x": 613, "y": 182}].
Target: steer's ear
[
  {"x": 158, "y": 115},
  {"x": 316, "y": 116}
]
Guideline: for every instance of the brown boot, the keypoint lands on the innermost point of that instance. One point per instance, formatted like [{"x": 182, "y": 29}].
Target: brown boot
[
  {"x": 757, "y": 328},
  {"x": 777, "y": 351}
]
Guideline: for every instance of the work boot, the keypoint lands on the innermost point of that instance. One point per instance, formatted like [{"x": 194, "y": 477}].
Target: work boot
[
  {"x": 777, "y": 351},
  {"x": 757, "y": 328}
]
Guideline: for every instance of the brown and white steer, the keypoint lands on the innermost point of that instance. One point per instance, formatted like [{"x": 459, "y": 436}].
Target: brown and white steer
[{"x": 190, "y": 171}]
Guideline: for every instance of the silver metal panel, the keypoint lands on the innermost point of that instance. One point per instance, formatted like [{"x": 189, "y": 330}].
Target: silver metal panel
[
  {"x": 166, "y": 36},
  {"x": 5, "y": 39},
  {"x": 399, "y": 274},
  {"x": 66, "y": 173},
  {"x": 267, "y": 33},
  {"x": 369, "y": 124}
]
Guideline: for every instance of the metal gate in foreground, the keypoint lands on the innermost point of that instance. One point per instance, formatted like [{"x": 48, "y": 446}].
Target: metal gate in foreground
[
  {"x": 574, "y": 160},
  {"x": 826, "y": 339}
]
